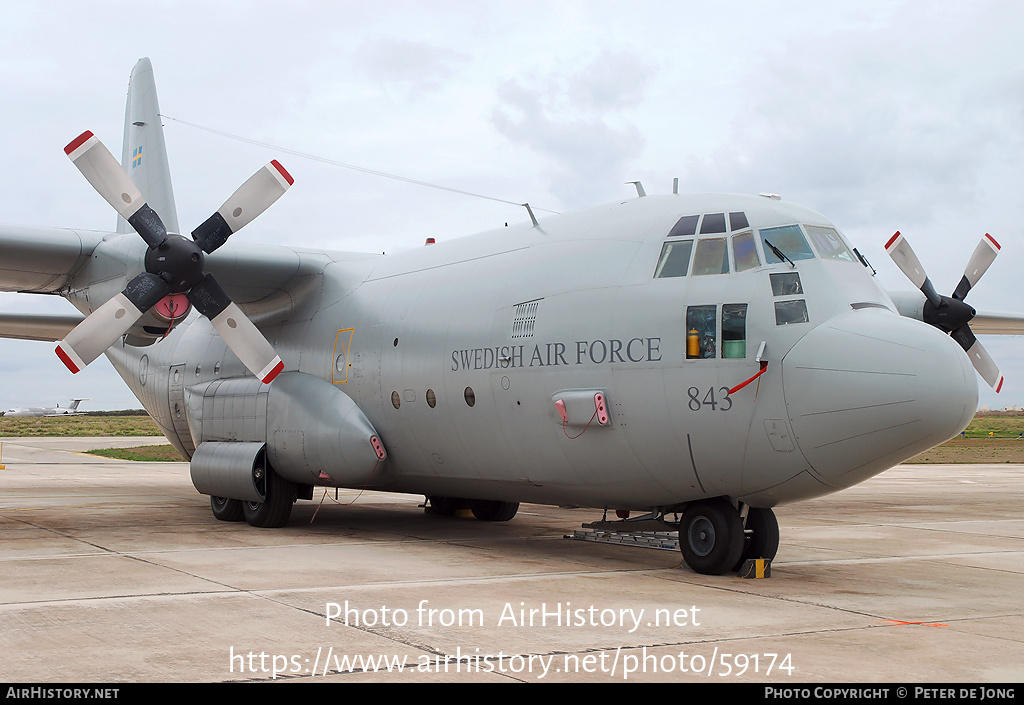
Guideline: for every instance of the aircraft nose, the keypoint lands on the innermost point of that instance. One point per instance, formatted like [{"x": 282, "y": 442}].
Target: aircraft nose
[{"x": 870, "y": 389}]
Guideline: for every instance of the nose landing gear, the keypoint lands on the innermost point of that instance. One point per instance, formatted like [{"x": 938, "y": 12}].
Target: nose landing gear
[{"x": 713, "y": 540}]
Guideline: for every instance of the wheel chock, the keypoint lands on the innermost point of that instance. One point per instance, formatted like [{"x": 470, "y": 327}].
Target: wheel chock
[{"x": 756, "y": 568}]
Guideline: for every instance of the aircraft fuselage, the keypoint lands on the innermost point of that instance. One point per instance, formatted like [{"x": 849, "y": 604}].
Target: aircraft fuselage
[{"x": 458, "y": 352}]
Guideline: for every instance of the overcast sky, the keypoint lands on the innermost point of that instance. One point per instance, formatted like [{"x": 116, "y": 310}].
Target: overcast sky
[{"x": 883, "y": 116}]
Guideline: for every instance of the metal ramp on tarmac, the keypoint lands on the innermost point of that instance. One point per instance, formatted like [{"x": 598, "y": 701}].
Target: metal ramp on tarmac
[{"x": 648, "y": 531}]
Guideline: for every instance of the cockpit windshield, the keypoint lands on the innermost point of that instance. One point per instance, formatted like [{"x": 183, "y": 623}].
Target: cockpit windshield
[
  {"x": 789, "y": 239},
  {"x": 829, "y": 244}
]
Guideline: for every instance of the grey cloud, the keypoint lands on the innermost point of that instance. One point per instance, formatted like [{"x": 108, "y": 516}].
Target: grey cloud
[
  {"x": 416, "y": 66},
  {"x": 574, "y": 122}
]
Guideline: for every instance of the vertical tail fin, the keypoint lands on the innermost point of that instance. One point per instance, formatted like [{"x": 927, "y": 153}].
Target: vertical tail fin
[{"x": 143, "y": 153}]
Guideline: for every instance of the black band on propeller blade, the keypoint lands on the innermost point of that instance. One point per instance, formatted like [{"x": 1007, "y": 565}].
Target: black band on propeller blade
[
  {"x": 148, "y": 224},
  {"x": 964, "y": 337},
  {"x": 212, "y": 234},
  {"x": 962, "y": 288},
  {"x": 208, "y": 297},
  {"x": 145, "y": 290}
]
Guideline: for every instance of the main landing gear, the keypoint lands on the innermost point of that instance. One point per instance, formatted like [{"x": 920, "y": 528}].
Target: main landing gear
[
  {"x": 713, "y": 539},
  {"x": 278, "y": 497}
]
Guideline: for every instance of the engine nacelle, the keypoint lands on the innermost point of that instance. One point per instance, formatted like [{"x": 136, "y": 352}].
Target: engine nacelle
[{"x": 313, "y": 432}]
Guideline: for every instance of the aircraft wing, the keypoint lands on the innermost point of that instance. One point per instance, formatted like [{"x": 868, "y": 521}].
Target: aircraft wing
[
  {"x": 998, "y": 324},
  {"x": 266, "y": 281},
  {"x": 28, "y": 326},
  {"x": 43, "y": 260}
]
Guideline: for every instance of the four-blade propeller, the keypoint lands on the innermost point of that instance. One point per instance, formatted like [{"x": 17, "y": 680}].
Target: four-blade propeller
[
  {"x": 174, "y": 264},
  {"x": 951, "y": 314}
]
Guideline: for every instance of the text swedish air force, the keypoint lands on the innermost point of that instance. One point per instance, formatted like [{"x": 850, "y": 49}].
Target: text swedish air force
[{"x": 580, "y": 352}]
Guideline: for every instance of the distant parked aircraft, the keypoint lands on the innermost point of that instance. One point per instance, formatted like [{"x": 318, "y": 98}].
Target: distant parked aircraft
[{"x": 58, "y": 410}]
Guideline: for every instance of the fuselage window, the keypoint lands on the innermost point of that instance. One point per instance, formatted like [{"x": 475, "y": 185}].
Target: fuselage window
[
  {"x": 687, "y": 225},
  {"x": 745, "y": 252},
  {"x": 712, "y": 257},
  {"x": 701, "y": 332},
  {"x": 787, "y": 312},
  {"x": 712, "y": 223},
  {"x": 674, "y": 260},
  {"x": 734, "y": 330},
  {"x": 738, "y": 221},
  {"x": 789, "y": 240},
  {"x": 829, "y": 244},
  {"x": 786, "y": 284}
]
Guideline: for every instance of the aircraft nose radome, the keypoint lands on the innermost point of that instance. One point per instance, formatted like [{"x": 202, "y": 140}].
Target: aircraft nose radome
[{"x": 870, "y": 389}]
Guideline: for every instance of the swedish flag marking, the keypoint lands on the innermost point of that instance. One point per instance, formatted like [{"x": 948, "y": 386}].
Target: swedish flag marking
[{"x": 136, "y": 156}]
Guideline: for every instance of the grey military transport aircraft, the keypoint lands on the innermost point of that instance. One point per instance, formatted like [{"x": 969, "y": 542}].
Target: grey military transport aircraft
[{"x": 701, "y": 358}]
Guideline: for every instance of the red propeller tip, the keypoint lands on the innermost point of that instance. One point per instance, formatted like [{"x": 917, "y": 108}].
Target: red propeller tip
[
  {"x": 66, "y": 359},
  {"x": 283, "y": 172},
  {"x": 273, "y": 373},
  {"x": 78, "y": 142}
]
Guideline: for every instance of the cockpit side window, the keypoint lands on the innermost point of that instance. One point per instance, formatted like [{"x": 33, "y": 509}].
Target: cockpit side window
[
  {"x": 744, "y": 252},
  {"x": 790, "y": 241},
  {"x": 734, "y": 330},
  {"x": 829, "y": 244},
  {"x": 712, "y": 257},
  {"x": 674, "y": 260},
  {"x": 701, "y": 332}
]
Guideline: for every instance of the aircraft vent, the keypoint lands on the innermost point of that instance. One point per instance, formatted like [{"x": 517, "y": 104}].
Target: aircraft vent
[{"x": 525, "y": 319}]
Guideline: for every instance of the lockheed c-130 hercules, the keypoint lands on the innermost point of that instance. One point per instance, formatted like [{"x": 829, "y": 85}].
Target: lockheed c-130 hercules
[{"x": 702, "y": 358}]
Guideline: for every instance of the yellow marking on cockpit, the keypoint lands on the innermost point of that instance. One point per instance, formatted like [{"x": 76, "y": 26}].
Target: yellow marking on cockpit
[{"x": 340, "y": 359}]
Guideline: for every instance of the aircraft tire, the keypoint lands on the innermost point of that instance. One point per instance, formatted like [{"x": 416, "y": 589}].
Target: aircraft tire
[
  {"x": 763, "y": 541},
  {"x": 274, "y": 511},
  {"x": 487, "y": 510},
  {"x": 226, "y": 509},
  {"x": 711, "y": 536}
]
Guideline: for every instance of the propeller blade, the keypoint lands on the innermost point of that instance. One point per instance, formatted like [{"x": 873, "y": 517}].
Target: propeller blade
[
  {"x": 980, "y": 358},
  {"x": 903, "y": 255},
  {"x": 101, "y": 329},
  {"x": 984, "y": 254},
  {"x": 103, "y": 171},
  {"x": 244, "y": 338},
  {"x": 249, "y": 201}
]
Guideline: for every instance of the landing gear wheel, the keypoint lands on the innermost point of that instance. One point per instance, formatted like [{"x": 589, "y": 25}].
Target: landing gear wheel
[
  {"x": 486, "y": 510},
  {"x": 763, "y": 541},
  {"x": 711, "y": 536},
  {"x": 226, "y": 509},
  {"x": 273, "y": 511}
]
